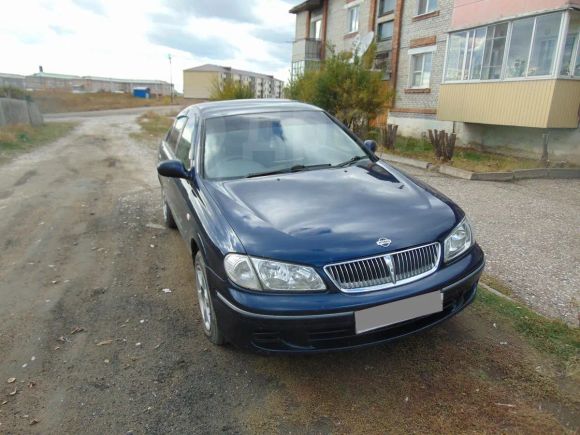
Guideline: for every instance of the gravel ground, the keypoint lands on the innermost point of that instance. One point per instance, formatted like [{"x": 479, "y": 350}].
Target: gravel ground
[
  {"x": 530, "y": 232},
  {"x": 91, "y": 343}
]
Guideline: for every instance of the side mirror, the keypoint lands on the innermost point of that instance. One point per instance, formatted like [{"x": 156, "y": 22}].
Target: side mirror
[
  {"x": 173, "y": 169},
  {"x": 371, "y": 145}
]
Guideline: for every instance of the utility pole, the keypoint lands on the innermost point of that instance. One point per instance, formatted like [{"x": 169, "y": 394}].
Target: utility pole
[{"x": 170, "y": 77}]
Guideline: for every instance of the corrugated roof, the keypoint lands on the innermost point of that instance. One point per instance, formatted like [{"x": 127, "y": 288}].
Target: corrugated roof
[
  {"x": 308, "y": 5},
  {"x": 54, "y": 76},
  {"x": 11, "y": 76}
]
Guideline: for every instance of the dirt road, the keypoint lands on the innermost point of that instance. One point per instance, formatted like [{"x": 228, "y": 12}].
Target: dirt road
[{"x": 97, "y": 346}]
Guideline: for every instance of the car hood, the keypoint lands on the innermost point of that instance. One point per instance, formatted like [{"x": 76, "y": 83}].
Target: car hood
[{"x": 322, "y": 216}]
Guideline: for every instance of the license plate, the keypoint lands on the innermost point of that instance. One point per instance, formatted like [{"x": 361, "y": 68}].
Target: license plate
[{"x": 398, "y": 311}]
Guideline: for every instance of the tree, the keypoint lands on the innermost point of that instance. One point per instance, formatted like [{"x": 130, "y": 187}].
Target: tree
[
  {"x": 229, "y": 89},
  {"x": 345, "y": 86}
]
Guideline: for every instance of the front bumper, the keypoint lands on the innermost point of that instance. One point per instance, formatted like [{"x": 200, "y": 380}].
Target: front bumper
[{"x": 325, "y": 321}]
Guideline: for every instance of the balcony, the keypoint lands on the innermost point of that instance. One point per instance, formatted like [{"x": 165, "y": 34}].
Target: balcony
[
  {"x": 306, "y": 49},
  {"x": 526, "y": 103}
]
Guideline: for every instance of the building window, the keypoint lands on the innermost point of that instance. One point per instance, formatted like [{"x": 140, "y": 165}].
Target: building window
[
  {"x": 494, "y": 51},
  {"x": 385, "y": 30},
  {"x": 533, "y": 46},
  {"x": 426, "y": 6},
  {"x": 479, "y": 54},
  {"x": 316, "y": 27},
  {"x": 571, "y": 56},
  {"x": 353, "y": 16},
  {"x": 386, "y": 7},
  {"x": 421, "y": 70}
]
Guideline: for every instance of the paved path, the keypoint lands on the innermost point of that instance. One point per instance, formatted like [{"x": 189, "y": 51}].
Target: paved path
[{"x": 530, "y": 232}]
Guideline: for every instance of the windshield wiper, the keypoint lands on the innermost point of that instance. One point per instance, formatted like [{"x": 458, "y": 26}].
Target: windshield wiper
[
  {"x": 295, "y": 168},
  {"x": 351, "y": 161}
]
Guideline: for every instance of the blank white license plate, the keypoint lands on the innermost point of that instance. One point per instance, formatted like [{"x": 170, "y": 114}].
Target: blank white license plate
[{"x": 398, "y": 311}]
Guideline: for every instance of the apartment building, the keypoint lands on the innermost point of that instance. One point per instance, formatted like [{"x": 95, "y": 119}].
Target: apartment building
[
  {"x": 498, "y": 73},
  {"x": 199, "y": 81},
  {"x": 341, "y": 25}
]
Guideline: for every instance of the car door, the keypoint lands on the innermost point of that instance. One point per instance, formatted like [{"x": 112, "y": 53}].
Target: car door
[
  {"x": 185, "y": 189},
  {"x": 167, "y": 152}
]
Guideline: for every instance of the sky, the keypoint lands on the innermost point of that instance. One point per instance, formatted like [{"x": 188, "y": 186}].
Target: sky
[{"x": 133, "y": 38}]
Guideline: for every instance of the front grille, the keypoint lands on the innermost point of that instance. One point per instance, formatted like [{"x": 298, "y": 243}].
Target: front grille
[{"x": 385, "y": 271}]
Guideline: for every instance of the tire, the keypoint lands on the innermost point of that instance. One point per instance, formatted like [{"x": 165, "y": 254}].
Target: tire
[
  {"x": 208, "y": 317},
  {"x": 167, "y": 215}
]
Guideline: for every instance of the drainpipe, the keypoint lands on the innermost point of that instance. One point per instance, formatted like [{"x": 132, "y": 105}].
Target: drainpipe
[
  {"x": 373, "y": 16},
  {"x": 396, "y": 42},
  {"x": 324, "y": 20}
]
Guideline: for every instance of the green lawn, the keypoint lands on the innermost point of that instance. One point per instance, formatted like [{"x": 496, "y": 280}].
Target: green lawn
[
  {"x": 547, "y": 335},
  {"x": 464, "y": 158},
  {"x": 15, "y": 139}
]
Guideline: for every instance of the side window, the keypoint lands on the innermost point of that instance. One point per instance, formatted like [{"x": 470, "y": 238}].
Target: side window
[
  {"x": 184, "y": 147},
  {"x": 175, "y": 132}
]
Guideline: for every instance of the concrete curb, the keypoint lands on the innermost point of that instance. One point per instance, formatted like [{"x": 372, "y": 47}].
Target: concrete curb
[
  {"x": 516, "y": 174},
  {"x": 405, "y": 161},
  {"x": 496, "y": 292}
]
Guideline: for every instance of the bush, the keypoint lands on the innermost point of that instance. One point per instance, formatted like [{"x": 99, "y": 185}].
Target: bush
[
  {"x": 346, "y": 87},
  {"x": 229, "y": 89},
  {"x": 11, "y": 92}
]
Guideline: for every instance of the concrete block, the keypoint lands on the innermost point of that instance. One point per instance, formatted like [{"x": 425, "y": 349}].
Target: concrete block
[
  {"x": 523, "y": 174},
  {"x": 14, "y": 111},
  {"x": 456, "y": 172},
  {"x": 564, "y": 172},
  {"x": 405, "y": 161},
  {"x": 493, "y": 176}
]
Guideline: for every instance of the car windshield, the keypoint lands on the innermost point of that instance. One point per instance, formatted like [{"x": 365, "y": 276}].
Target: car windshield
[{"x": 263, "y": 143}]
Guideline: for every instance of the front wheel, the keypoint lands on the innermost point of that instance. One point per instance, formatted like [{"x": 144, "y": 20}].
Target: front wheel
[
  {"x": 208, "y": 317},
  {"x": 168, "y": 219}
]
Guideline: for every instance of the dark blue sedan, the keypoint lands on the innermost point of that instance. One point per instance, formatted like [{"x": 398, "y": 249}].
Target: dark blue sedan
[{"x": 302, "y": 239}]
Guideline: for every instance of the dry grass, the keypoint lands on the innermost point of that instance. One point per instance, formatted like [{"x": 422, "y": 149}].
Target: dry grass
[
  {"x": 464, "y": 158},
  {"x": 15, "y": 139},
  {"x": 153, "y": 126},
  {"x": 59, "y": 102}
]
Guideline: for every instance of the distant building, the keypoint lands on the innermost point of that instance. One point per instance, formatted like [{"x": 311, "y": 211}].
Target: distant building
[
  {"x": 82, "y": 84},
  {"x": 199, "y": 81},
  {"x": 12, "y": 80}
]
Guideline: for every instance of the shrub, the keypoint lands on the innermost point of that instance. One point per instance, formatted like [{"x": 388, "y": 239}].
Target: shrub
[
  {"x": 346, "y": 87},
  {"x": 229, "y": 89},
  {"x": 11, "y": 92}
]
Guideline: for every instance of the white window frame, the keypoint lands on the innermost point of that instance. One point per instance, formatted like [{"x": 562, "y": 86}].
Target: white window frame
[
  {"x": 420, "y": 50},
  {"x": 555, "y": 73},
  {"x": 349, "y": 10},
  {"x": 575, "y": 52},
  {"x": 428, "y": 9}
]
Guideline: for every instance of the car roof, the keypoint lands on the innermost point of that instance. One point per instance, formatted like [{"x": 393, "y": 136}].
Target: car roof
[{"x": 237, "y": 107}]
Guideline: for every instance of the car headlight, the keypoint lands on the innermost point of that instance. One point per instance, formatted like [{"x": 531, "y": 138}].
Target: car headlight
[
  {"x": 261, "y": 274},
  {"x": 459, "y": 241}
]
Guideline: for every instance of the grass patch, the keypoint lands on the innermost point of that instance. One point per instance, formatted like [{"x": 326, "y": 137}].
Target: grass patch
[
  {"x": 18, "y": 138},
  {"x": 153, "y": 126},
  {"x": 464, "y": 158},
  {"x": 60, "y": 102},
  {"x": 550, "y": 336},
  {"x": 497, "y": 284}
]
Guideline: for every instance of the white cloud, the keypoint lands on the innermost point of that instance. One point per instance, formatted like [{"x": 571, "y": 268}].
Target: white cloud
[{"x": 128, "y": 39}]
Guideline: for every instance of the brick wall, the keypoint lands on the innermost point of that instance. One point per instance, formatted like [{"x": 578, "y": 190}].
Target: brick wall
[
  {"x": 415, "y": 33},
  {"x": 336, "y": 32}
]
